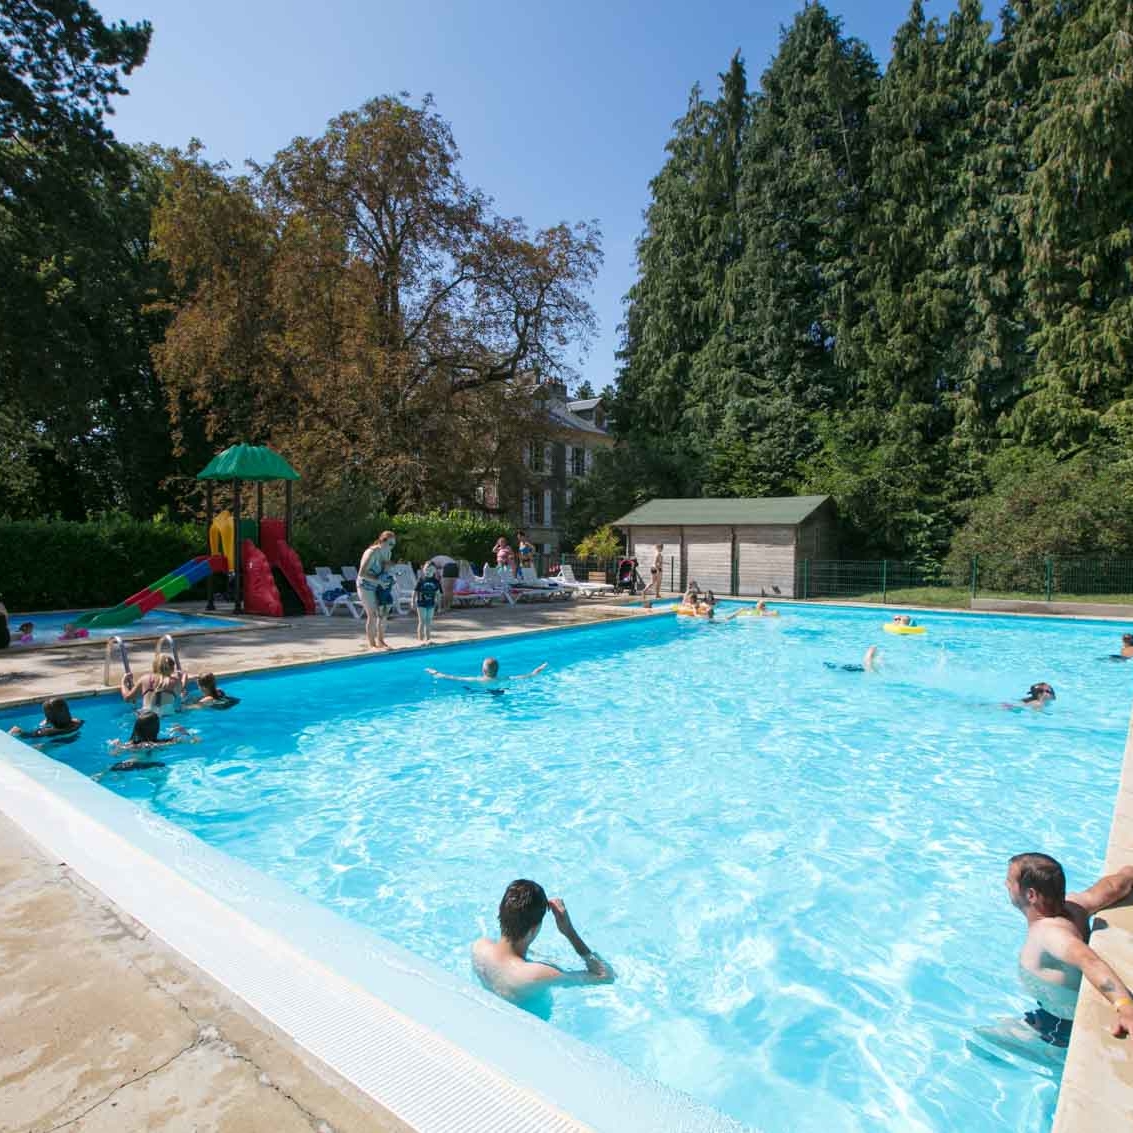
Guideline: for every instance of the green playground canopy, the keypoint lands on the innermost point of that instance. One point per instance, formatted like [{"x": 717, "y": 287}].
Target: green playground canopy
[{"x": 257, "y": 463}]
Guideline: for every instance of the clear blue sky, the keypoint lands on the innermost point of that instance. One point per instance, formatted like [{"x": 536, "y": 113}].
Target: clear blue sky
[{"x": 561, "y": 112}]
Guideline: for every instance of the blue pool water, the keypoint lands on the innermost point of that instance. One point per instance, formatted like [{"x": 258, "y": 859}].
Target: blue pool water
[
  {"x": 796, "y": 872},
  {"x": 48, "y": 627}
]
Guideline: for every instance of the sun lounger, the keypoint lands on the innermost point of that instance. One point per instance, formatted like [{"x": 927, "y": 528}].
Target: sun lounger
[
  {"x": 552, "y": 587},
  {"x": 489, "y": 586},
  {"x": 586, "y": 589},
  {"x": 329, "y": 596}
]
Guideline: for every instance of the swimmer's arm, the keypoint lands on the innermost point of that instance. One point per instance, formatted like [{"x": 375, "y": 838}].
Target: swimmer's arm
[
  {"x": 527, "y": 676},
  {"x": 450, "y": 677},
  {"x": 1105, "y": 892},
  {"x": 597, "y": 970},
  {"x": 1067, "y": 947},
  {"x": 547, "y": 975},
  {"x": 129, "y": 688}
]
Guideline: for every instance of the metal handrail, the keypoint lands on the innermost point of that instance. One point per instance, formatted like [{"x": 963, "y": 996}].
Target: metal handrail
[
  {"x": 159, "y": 651},
  {"x": 123, "y": 656}
]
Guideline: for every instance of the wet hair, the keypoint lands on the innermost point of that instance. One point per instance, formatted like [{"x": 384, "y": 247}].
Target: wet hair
[
  {"x": 491, "y": 667},
  {"x": 57, "y": 713},
  {"x": 523, "y": 907},
  {"x": 164, "y": 665},
  {"x": 1041, "y": 873},
  {"x": 1127, "y": 639},
  {"x": 26, "y": 627},
  {"x": 206, "y": 682},
  {"x": 1038, "y": 690},
  {"x": 147, "y": 727}
]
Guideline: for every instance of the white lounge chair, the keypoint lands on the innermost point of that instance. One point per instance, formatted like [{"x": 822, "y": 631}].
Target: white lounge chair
[
  {"x": 404, "y": 585},
  {"x": 552, "y": 587},
  {"x": 586, "y": 589},
  {"x": 470, "y": 590},
  {"x": 490, "y": 583},
  {"x": 328, "y": 605}
]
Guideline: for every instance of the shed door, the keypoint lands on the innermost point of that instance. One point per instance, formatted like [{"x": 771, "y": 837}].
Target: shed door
[
  {"x": 767, "y": 560},
  {"x": 645, "y": 540},
  {"x": 709, "y": 551}
]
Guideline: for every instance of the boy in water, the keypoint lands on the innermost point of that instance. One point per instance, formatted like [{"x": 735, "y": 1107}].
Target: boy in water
[
  {"x": 57, "y": 722},
  {"x": 502, "y": 965},
  {"x": 425, "y": 600},
  {"x": 489, "y": 678},
  {"x": 1056, "y": 954}
]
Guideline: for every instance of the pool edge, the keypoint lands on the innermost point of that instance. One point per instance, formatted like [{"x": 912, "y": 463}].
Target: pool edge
[{"x": 415, "y": 1070}]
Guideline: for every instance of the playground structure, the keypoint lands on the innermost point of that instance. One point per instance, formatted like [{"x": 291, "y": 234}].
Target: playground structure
[{"x": 268, "y": 578}]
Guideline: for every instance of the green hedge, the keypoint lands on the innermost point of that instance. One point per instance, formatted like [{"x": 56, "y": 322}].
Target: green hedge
[
  {"x": 460, "y": 534},
  {"x": 58, "y": 565}
]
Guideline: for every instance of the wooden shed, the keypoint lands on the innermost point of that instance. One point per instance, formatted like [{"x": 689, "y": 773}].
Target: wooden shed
[{"x": 748, "y": 547}]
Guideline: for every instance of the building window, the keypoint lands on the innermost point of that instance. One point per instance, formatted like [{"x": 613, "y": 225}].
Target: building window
[
  {"x": 568, "y": 497},
  {"x": 547, "y": 520},
  {"x": 578, "y": 462},
  {"x": 537, "y": 453}
]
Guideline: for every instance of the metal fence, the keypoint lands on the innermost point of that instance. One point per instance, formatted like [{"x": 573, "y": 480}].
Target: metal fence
[{"x": 1043, "y": 578}]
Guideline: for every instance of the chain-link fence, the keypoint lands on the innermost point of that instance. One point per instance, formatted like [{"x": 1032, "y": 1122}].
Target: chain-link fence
[{"x": 1042, "y": 578}]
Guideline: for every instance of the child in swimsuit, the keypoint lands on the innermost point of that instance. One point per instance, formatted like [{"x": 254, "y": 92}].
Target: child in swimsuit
[
  {"x": 57, "y": 723},
  {"x": 212, "y": 696},
  {"x": 425, "y": 600},
  {"x": 72, "y": 632},
  {"x": 147, "y": 735},
  {"x": 25, "y": 633},
  {"x": 161, "y": 691}
]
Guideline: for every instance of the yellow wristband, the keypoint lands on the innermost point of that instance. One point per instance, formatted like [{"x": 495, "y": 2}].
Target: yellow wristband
[{"x": 1122, "y": 1001}]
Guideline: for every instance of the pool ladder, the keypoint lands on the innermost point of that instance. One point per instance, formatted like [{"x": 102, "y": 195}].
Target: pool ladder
[
  {"x": 166, "y": 645},
  {"x": 115, "y": 644}
]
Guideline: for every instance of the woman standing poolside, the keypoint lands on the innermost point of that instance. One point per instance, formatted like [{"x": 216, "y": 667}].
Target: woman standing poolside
[{"x": 371, "y": 566}]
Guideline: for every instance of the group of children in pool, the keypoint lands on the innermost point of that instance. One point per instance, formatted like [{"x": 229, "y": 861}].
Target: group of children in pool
[{"x": 161, "y": 691}]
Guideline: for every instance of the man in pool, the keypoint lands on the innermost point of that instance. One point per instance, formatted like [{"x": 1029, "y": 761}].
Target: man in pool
[
  {"x": 489, "y": 677},
  {"x": 1056, "y": 954},
  {"x": 502, "y": 965}
]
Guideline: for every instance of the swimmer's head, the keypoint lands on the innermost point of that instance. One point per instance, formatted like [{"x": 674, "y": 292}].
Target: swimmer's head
[
  {"x": 1127, "y": 639},
  {"x": 57, "y": 713},
  {"x": 26, "y": 627},
  {"x": 1036, "y": 881},
  {"x": 522, "y": 910},
  {"x": 147, "y": 725},
  {"x": 1040, "y": 691},
  {"x": 206, "y": 682},
  {"x": 490, "y": 668},
  {"x": 165, "y": 665}
]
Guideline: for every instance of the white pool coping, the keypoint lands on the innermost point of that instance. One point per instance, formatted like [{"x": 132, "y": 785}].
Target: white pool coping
[{"x": 439, "y": 1053}]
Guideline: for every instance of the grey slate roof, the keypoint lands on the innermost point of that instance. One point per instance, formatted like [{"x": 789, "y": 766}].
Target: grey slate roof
[
  {"x": 561, "y": 415},
  {"x": 787, "y": 510},
  {"x": 585, "y": 403}
]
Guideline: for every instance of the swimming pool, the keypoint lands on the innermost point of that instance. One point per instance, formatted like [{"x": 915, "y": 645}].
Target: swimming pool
[
  {"x": 49, "y": 626},
  {"x": 796, "y": 872}
]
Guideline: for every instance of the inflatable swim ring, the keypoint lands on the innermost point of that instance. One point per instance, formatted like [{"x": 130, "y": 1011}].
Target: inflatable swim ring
[
  {"x": 692, "y": 611},
  {"x": 752, "y": 612},
  {"x": 892, "y": 627}
]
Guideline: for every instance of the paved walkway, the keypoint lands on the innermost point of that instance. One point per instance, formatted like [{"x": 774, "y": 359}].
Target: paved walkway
[
  {"x": 103, "y": 1029},
  {"x": 31, "y": 675}
]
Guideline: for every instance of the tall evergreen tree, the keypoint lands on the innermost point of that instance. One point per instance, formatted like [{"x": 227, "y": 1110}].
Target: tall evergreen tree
[
  {"x": 805, "y": 168},
  {"x": 1075, "y": 62}
]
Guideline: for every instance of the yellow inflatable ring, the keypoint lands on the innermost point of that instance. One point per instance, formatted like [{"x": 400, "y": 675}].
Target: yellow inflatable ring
[
  {"x": 752, "y": 612},
  {"x": 692, "y": 611},
  {"x": 893, "y": 627}
]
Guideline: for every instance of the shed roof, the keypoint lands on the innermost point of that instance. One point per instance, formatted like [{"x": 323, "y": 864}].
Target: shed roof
[{"x": 789, "y": 510}]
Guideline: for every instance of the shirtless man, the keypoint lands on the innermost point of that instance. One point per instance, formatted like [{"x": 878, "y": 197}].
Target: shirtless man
[
  {"x": 489, "y": 677},
  {"x": 502, "y": 965},
  {"x": 1056, "y": 954}
]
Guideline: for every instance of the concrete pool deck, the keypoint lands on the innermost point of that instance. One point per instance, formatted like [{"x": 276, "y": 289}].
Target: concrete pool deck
[{"x": 106, "y": 1027}]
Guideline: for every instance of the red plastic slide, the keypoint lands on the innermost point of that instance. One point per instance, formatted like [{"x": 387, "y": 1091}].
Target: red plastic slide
[
  {"x": 260, "y": 593},
  {"x": 284, "y": 559}
]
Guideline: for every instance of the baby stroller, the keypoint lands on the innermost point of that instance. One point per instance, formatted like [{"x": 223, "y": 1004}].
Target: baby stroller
[{"x": 628, "y": 578}]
